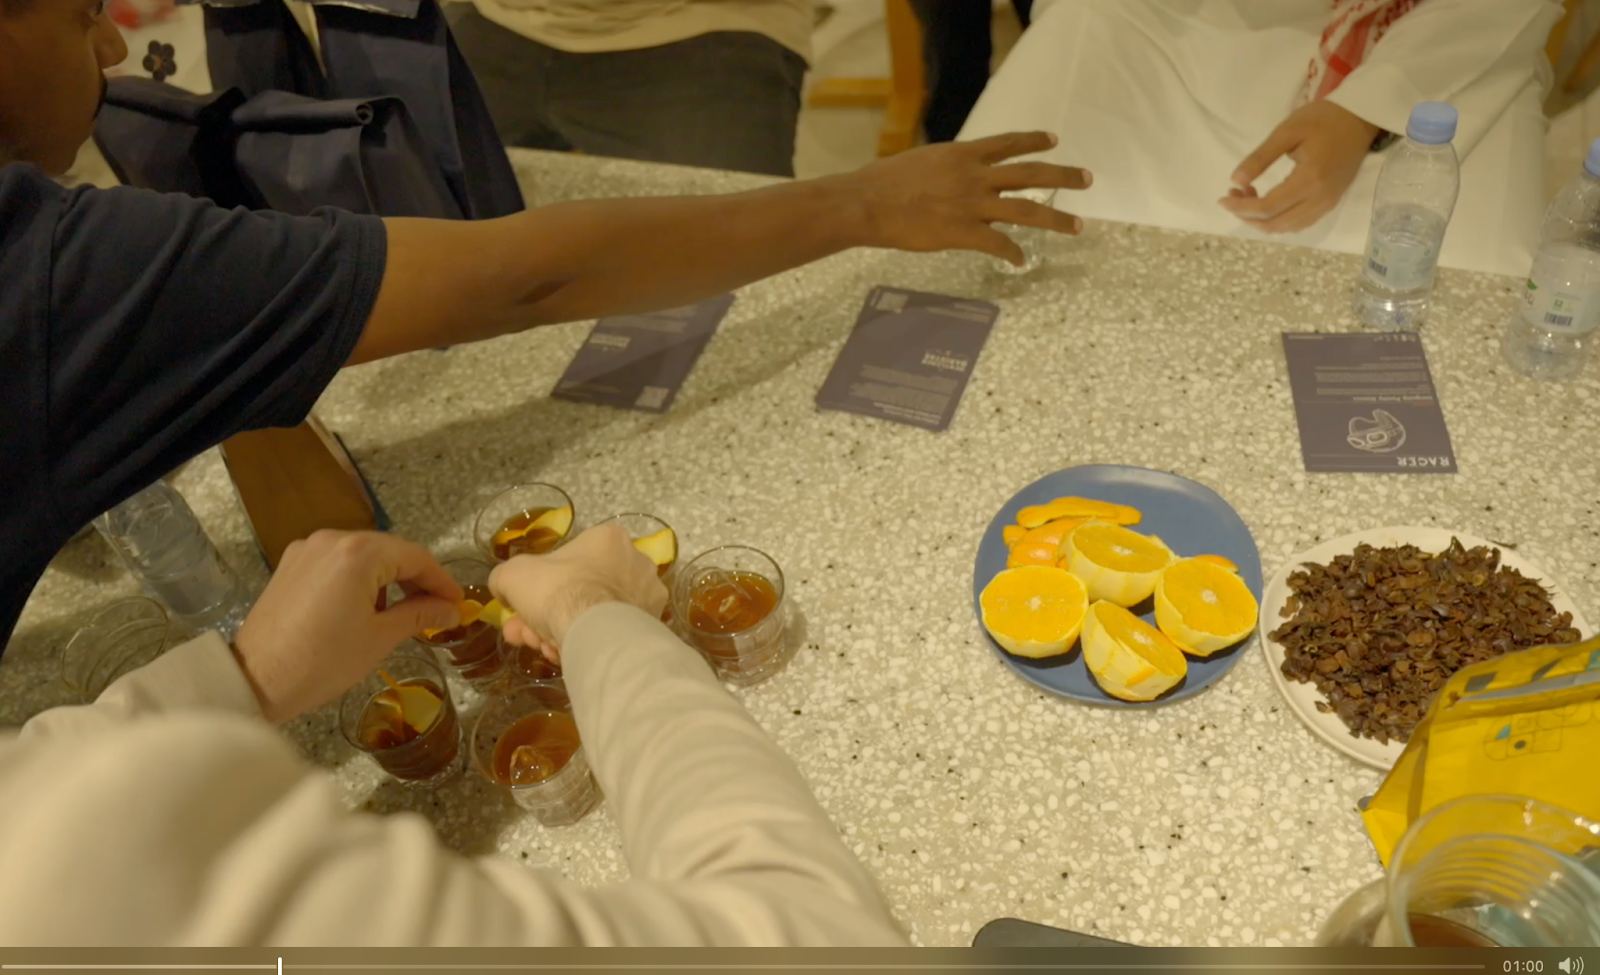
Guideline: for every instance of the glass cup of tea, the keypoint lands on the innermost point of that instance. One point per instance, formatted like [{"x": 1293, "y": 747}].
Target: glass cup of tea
[
  {"x": 473, "y": 650},
  {"x": 529, "y": 519},
  {"x": 656, "y": 539},
  {"x": 526, "y": 742},
  {"x": 729, "y": 604},
  {"x": 410, "y": 726},
  {"x": 119, "y": 638},
  {"x": 524, "y": 664}
]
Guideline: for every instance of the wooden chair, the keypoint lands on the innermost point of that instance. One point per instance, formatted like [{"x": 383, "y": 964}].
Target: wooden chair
[{"x": 902, "y": 96}]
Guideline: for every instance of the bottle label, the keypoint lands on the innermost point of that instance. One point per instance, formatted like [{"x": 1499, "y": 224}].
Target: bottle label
[
  {"x": 1555, "y": 310},
  {"x": 1401, "y": 268}
]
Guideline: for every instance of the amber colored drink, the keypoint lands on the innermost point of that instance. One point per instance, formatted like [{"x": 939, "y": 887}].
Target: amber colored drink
[
  {"x": 474, "y": 649},
  {"x": 404, "y": 752},
  {"x": 514, "y": 538},
  {"x": 529, "y": 662},
  {"x": 536, "y": 748},
  {"x": 1428, "y": 931},
  {"x": 723, "y": 603}
]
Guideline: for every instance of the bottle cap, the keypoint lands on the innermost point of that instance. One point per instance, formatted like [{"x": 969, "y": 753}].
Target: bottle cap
[
  {"x": 1432, "y": 123},
  {"x": 1591, "y": 163}
]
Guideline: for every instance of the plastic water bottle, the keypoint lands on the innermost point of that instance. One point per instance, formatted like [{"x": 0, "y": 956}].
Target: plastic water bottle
[
  {"x": 157, "y": 535},
  {"x": 1411, "y": 209},
  {"x": 1553, "y": 328}
]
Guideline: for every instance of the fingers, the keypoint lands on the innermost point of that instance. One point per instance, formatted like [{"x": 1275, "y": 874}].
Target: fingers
[
  {"x": 409, "y": 617},
  {"x": 1289, "y": 193},
  {"x": 1282, "y": 140},
  {"x": 518, "y": 632},
  {"x": 999, "y": 148},
  {"x": 1031, "y": 175},
  {"x": 1026, "y": 213},
  {"x": 987, "y": 240}
]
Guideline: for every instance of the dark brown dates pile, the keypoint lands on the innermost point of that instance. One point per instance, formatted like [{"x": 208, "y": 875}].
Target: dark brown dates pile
[{"x": 1380, "y": 631}]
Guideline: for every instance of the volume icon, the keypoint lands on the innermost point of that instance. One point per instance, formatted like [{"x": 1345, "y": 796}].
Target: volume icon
[{"x": 1572, "y": 966}]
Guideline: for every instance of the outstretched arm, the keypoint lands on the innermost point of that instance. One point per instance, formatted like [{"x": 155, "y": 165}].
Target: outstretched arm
[{"x": 449, "y": 282}]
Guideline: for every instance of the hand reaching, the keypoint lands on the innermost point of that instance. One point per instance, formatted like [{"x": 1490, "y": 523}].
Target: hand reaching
[
  {"x": 316, "y": 631},
  {"x": 549, "y": 592},
  {"x": 1327, "y": 144},
  {"x": 947, "y": 196}
]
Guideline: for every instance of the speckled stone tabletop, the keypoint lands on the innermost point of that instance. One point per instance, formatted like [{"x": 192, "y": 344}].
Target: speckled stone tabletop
[{"x": 969, "y": 794}]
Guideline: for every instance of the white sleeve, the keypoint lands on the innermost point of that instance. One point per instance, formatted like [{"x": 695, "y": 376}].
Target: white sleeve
[
  {"x": 154, "y": 817},
  {"x": 1476, "y": 54}
]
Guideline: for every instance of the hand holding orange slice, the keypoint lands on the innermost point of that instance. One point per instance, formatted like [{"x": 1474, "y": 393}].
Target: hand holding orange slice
[{"x": 494, "y": 612}]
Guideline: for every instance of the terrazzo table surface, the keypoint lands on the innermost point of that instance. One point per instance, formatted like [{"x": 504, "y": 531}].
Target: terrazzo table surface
[{"x": 968, "y": 793}]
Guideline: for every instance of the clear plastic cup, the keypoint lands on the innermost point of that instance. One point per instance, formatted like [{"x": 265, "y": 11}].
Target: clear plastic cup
[
  {"x": 428, "y": 759},
  {"x": 526, "y": 742},
  {"x": 474, "y": 651},
  {"x": 729, "y": 603},
  {"x": 639, "y": 526},
  {"x": 118, "y": 639},
  {"x": 520, "y": 503}
]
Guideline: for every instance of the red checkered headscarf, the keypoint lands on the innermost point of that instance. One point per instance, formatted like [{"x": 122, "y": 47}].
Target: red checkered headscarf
[{"x": 1355, "y": 28}]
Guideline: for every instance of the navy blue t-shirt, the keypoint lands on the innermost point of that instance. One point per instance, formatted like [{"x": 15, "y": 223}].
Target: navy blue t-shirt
[{"x": 138, "y": 329}]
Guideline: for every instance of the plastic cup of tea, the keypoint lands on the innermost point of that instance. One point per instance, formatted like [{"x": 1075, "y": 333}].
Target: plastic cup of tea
[
  {"x": 640, "y": 526},
  {"x": 524, "y": 664},
  {"x": 502, "y": 528},
  {"x": 1032, "y": 240},
  {"x": 376, "y": 722},
  {"x": 474, "y": 650},
  {"x": 729, "y": 604},
  {"x": 526, "y": 742},
  {"x": 118, "y": 639}
]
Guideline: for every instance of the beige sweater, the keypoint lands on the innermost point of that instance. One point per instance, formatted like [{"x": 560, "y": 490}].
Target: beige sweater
[
  {"x": 592, "y": 26},
  {"x": 168, "y": 813}
]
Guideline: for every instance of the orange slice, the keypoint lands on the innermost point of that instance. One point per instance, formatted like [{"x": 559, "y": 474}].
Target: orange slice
[
  {"x": 1130, "y": 659},
  {"x": 1115, "y": 564},
  {"x": 1204, "y": 607},
  {"x": 1033, "y": 553},
  {"x": 1034, "y": 611},
  {"x": 557, "y": 520},
  {"x": 661, "y": 548},
  {"x": 1011, "y": 534},
  {"x": 495, "y": 613},
  {"x": 1218, "y": 560},
  {"x": 1117, "y": 514}
]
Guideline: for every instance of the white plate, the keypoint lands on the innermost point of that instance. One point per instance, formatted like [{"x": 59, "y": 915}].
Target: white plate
[{"x": 1303, "y": 698}]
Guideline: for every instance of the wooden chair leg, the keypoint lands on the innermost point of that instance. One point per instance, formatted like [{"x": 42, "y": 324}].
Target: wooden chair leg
[{"x": 903, "y": 95}]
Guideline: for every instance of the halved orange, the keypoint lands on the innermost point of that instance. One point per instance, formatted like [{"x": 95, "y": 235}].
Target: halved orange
[
  {"x": 1115, "y": 564},
  {"x": 1130, "y": 659},
  {"x": 1117, "y": 514},
  {"x": 1203, "y": 606},
  {"x": 1034, "y": 611}
]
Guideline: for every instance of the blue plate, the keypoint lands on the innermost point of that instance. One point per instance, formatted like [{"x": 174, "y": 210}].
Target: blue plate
[{"x": 1191, "y": 518}]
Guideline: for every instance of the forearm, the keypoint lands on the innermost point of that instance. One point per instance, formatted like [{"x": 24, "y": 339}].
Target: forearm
[
  {"x": 451, "y": 282},
  {"x": 201, "y": 675},
  {"x": 700, "y": 793}
]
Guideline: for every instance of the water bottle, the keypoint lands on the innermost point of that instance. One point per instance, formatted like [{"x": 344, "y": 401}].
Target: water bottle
[
  {"x": 157, "y": 535},
  {"x": 1410, "y": 210},
  {"x": 1551, "y": 332}
]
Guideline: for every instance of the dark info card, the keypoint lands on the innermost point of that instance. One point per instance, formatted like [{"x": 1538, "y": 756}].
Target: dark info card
[
  {"x": 639, "y": 361},
  {"x": 909, "y": 358},
  {"x": 1366, "y": 404}
]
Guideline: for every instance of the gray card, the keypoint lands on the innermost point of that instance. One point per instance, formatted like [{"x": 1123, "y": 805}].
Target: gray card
[
  {"x": 639, "y": 361},
  {"x": 1366, "y": 403},
  {"x": 909, "y": 358}
]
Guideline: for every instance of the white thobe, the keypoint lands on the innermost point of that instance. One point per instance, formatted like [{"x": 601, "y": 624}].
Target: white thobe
[{"x": 1162, "y": 99}]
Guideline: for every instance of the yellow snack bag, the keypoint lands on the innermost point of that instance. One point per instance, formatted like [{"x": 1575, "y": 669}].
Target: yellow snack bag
[{"x": 1526, "y": 724}]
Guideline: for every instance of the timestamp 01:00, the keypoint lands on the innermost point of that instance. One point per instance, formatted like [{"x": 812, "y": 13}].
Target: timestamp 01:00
[{"x": 1524, "y": 966}]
